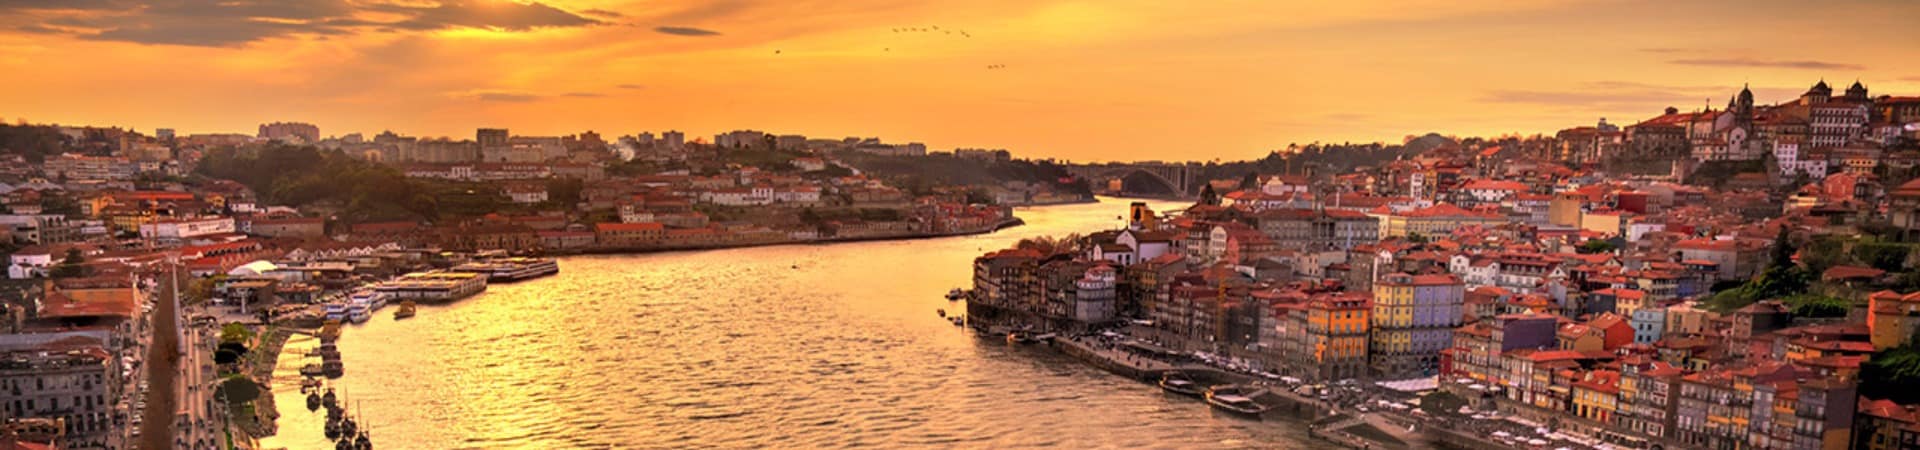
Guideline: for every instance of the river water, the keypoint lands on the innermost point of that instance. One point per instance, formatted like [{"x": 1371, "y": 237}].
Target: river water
[{"x": 801, "y": 346}]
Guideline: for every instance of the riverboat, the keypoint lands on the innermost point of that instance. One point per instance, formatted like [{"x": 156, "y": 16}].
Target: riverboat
[
  {"x": 434, "y": 287},
  {"x": 507, "y": 270},
  {"x": 1237, "y": 399},
  {"x": 1179, "y": 383}
]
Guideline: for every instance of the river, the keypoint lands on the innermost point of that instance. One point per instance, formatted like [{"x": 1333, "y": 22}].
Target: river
[{"x": 799, "y": 346}]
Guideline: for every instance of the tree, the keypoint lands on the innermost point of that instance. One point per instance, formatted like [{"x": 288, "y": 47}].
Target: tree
[
  {"x": 1783, "y": 248},
  {"x": 1251, "y": 181},
  {"x": 1891, "y": 374},
  {"x": 235, "y": 332},
  {"x": 1593, "y": 246},
  {"x": 1207, "y": 196},
  {"x": 71, "y": 266}
]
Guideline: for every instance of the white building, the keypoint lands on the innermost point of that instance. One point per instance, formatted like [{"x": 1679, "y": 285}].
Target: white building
[{"x": 181, "y": 229}]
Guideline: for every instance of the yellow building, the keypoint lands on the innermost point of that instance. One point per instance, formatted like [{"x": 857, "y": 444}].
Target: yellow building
[
  {"x": 1436, "y": 220},
  {"x": 1597, "y": 396},
  {"x": 1892, "y": 317},
  {"x": 1337, "y": 329}
]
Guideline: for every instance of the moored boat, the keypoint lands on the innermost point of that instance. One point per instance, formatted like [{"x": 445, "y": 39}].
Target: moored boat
[
  {"x": 313, "y": 401},
  {"x": 1237, "y": 399},
  {"x": 406, "y": 310},
  {"x": 359, "y": 313},
  {"x": 956, "y": 294},
  {"x": 507, "y": 270},
  {"x": 1179, "y": 383}
]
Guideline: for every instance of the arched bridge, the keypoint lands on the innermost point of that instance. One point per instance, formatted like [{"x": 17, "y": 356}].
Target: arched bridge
[{"x": 1179, "y": 178}]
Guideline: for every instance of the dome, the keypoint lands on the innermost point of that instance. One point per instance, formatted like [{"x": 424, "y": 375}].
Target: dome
[{"x": 253, "y": 268}]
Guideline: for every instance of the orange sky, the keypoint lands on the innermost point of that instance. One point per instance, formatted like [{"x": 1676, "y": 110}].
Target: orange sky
[{"x": 1082, "y": 80}]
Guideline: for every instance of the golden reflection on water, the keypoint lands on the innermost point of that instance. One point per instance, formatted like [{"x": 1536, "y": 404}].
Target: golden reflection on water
[{"x": 805, "y": 346}]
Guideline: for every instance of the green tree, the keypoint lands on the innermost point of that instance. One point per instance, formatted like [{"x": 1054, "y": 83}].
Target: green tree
[
  {"x": 1593, "y": 246},
  {"x": 1207, "y": 196},
  {"x": 71, "y": 266},
  {"x": 1783, "y": 248}
]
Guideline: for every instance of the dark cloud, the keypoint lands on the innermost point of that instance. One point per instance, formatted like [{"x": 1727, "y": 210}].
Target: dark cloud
[
  {"x": 686, "y": 31},
  {"x": 603, "y": 13},
  {"x": 1751, "y": 62},
  {"x": 216, "y": 23},
  {"x": 486, "y": 14},
  {"x": 631, "y": 86}
]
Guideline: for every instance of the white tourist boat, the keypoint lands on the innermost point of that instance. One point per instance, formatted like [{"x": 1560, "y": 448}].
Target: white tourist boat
[
  {"x": 433, "y": 287},
  {"x": 506, "y": 270}
]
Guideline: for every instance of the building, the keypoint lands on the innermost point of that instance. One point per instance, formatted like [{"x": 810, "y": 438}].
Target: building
[
  {"x": 72, "y": 167},
  {"x": 1413, "y": 319},
  {"x": 73, "y": 380},
  {"x": 1904, "y": 209},
  {"x": 1337, "y": 329},
  {"x": 296, "y": 227},
  {"x": 291, "y": 132},
  {"x": 618, "y": 235},
  {"x": 179, "y": 230},
  {"x": 1317, "y": 229}
]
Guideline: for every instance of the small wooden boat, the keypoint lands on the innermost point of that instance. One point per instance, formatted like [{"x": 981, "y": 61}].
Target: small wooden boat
[
  {"x": 942, "y": 312},
  {"x": 313, "y": 401},
  {"x": 311, "y": 370},
  {"x": 406, "y": 310}
]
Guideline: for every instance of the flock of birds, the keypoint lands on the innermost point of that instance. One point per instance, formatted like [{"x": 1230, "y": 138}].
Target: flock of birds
[{"x": 931, "y": 29}]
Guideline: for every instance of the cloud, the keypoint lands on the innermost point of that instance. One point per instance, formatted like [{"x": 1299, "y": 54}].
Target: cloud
[
  {"x": 1665, "y": 50},
  {"x": 631, "y": 86},
  {"x": 501, "y": 96},
  {"x": 222, "y": 23},
  {"x": 603, "y": 13},
  {"x": 1751, "y": 62},
  {"x": 686, "y": 31}
]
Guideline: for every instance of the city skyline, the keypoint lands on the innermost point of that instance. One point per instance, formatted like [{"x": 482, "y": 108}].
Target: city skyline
[{"x": 1046, "y": 80}]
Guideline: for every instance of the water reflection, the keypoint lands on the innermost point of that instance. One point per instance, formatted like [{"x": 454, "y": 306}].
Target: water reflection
[{"x": 814, "y": 346}]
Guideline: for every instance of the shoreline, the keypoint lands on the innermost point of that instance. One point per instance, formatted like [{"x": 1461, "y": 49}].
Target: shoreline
[{"x": 1004, "y": 224}]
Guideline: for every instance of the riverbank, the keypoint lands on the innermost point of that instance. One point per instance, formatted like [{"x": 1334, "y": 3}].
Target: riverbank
[
  {"x": 906, "y": 236},
  {"x": 1135, "y": 361}
]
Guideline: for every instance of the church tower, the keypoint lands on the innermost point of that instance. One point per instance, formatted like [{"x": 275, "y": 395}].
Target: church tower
[
  {"x": 1820, "y": 93},
  {"x": 1857, "y": 92}
]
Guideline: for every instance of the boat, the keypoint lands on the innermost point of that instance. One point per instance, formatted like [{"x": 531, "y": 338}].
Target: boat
[
  {"x": 406, "y": 310},
  {"x": 313, "y": 401},
  {"x": 1179, "y": 383},
  {"x": 336, "y": 311},
  {"x": 363, "y": 442},
  {"x": 433, "y": 287},
  {"x": 1237, "y": 399},
  {"x": 311, "y": 370},
  {"x": 333, "y": 368},
  {"x": 508, "y": 270},
  {"x": 333, "y": 429},
  {"x": 373, "y": 299},
  {"x": 329, "y": 399},
  {"x": 359, "y": 313},
  {"x": 942, "y": 312},
  {"x": 956, "y": 294},
  {"x": 957, "y": 321}
]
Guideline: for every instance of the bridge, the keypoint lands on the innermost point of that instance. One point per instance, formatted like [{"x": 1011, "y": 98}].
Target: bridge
[{"x": 1181, "y": 179}]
